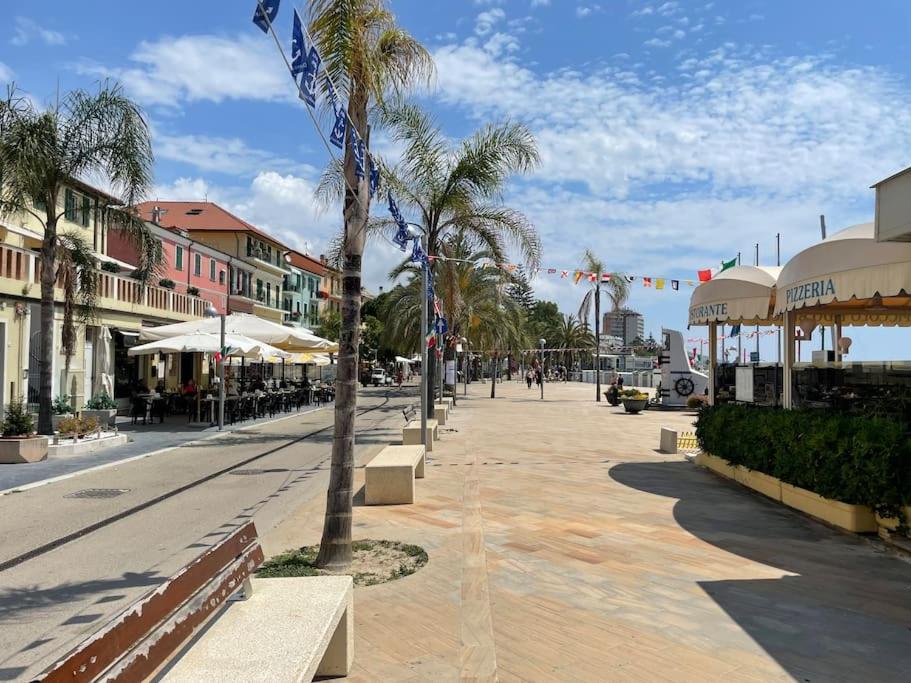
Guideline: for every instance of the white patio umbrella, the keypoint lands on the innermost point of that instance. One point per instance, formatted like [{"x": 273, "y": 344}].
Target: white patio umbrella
[
  {"x": 206, "y": 342},
  {"x": 287, "y": 338}
]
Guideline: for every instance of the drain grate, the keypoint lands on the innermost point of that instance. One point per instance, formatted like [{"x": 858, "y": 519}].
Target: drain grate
[{"x": 97, "y": 493}]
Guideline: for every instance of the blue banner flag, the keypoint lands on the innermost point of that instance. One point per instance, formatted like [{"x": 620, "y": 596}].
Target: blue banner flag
[
  {"x": 360, "y": 152},
  {"x": 374, "y": 176},
  {"x": 337, "y": 136},
  {"x": 333, "y": 97},
  {"x": 298, "y": 47},
  {"x": 266, "y": 11},
  {"x": 417, "y": 252},
  {"x": 308, "y": 80},
  {"x": 394, "y": 209}
]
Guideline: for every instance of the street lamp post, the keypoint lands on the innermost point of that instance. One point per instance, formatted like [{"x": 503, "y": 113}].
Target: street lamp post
[
  {"x": 212, "y": 313},
  {"x": 464, "y": 366},
  {"x": 541, "y": 343},
  {"x": 424, "y": 314}
]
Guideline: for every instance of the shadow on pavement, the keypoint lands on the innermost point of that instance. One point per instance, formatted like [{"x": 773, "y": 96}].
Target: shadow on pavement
[{"x": 844, "y": 616}]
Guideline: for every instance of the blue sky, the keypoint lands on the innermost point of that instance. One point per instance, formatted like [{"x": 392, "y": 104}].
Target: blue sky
[{"x": 673, "y": 134}]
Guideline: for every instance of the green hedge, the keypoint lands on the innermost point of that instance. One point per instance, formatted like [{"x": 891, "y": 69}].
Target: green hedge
[{"x": 859, "y": 460}]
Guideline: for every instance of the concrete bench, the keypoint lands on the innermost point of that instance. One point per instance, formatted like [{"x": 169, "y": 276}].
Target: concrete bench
[
  {"x": 411, "y": 433},
  {"x": 290, "y": 629},
  {"x": 389, "y": 477},
  {"x": 441, "y": 412}
]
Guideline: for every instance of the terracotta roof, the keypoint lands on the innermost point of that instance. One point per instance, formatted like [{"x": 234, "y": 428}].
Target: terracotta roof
[
  {"x": 308, "y": 263},
  {"x": 200, "y": 216}
]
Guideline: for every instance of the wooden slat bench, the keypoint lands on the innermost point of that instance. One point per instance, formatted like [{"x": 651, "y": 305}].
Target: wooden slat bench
[
  {"x": 389, "y": 477},
  {"x": 145, "y": 636}
]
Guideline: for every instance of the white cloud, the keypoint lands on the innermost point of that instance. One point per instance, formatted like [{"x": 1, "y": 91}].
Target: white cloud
[
  {"x": 540, "y": 3},
  {"x": 6, "y": 73},
  {"x": 657, "y": 42},
  {"x": 586, "y": 10},
  {"x": 231, "y": 156},
  {"x": 191, "y": 68},
  {"x": 27, "y": 30},
  {"x": 485, "y": 21},
  {"x": 500, "y": 43}
]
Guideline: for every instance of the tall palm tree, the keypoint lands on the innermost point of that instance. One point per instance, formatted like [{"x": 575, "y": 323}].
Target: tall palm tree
[
  {"x": 101, "y": 134},
  {"x": 449, "y": 188},
  {"x": 369, "y": 59},
  {"x": 618, "y": 291},
  {"x": 570, "y": 336}
]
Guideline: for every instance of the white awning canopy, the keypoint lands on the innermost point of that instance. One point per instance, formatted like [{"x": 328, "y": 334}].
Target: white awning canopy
[
  {"x": 206, "y": 342},
  {"x": 400, "y": 359},
  {"x": 849, "y": 275},
  {"x": 742, "y": 294},
  {"x": 287, "y": 338}
]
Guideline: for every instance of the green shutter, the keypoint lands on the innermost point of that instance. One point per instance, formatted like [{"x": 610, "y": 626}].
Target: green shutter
[
  {"x": 178, "y": 258},
  {"x": 69, "y": 206},
  {"x": 86, "y": 211}
]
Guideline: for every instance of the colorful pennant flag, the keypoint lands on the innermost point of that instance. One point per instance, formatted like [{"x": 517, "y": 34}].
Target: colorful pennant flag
[
  {"x": 659, "y": 283},
  {"x": 593, "y": 277},
  {"x": 646, "y": 282},
  {"x": 690, "y": 283},
  {"x": 266, "y": 11},
  {"x": 675, "y": 285},
  {"x": 704, "y": 275},
  {"x": 551, "y": 271},
  {"x": 577, "y": 277},
  {"x": 605, "y": 277},
  {"x": 564, "y": 274},
  {"x": 728, "y": 264}
]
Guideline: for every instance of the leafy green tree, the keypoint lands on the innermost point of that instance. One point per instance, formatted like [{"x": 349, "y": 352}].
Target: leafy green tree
[
  {"x": 330, "y": 324},
  {"x": 84, "y": 134},
  {"x": 544, "y": 321},
  {"x": 571, "y": 336},
  {"x": 520, "y": 290},
  {"x": 369, "y": 58},
  {"x": 617, "y": 289}
]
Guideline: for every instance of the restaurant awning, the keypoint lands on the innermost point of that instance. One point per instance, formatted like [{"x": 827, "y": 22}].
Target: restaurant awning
[
  {"x": 205, "y": 342},
  {"x": 850, "y": 276},
  {"x": 742, "y": 294},
  {"x": 286, "y": 338}
]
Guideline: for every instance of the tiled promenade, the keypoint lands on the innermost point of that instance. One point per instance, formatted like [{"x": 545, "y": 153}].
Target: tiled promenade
[{"x": 564, "y": 548}]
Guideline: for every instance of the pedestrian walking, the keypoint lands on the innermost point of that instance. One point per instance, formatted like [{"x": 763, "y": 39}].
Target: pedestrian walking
[{"x": 528, "y": 378}]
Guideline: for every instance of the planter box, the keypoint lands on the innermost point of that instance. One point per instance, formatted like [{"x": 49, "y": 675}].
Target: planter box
[
  {"x": 887, "y": 525},
  {"x": 857, "y": 518},
  {"x": 90, "y": 444},
  {"x": 765, "y": 484},
  {"x": 105, "y": 417},
  {"x": 717, "y": 465},
  {"x": 31, "y": 449},
  {"x": 634, "y": 405}
]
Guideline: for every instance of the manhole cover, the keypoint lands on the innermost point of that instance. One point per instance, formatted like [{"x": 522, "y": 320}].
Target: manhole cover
[{"x": 97, "y": 493}]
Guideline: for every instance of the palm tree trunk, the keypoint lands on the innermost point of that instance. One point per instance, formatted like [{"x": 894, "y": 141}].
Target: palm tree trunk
[
  {"x": 598, "y": 341},
  {"x": 45, "y": 369},
  {"x": 493, "y": 376},
  {"x": 335, "y": 546}
]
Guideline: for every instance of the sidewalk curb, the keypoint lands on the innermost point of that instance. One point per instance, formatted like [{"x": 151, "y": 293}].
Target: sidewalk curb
[{"x": 53, "y": 480}]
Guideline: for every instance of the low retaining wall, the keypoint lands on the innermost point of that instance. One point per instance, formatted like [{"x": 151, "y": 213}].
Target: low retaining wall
[
  {"x": 856, "y": 518},
  {"x": 89, "y": 444}
]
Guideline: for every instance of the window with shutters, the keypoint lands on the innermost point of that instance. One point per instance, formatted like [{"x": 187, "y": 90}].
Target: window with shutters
[
  {"x": 86, "y": 212},
  {"x": 212, "y": 269},
  {"x": 69, "y": 206},
  {"x": 178, "y": 258},
  {"x": 197, "y": 265}
]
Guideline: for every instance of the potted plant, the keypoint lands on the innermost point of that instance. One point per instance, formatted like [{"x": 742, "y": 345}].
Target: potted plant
[
  {"x": 19, "y": 443},
  {"x": 193, "y": 291},
  {"x": 167, "y": 283},
  {"x": 101, "y": 407},
  {"x": 634, "y": 401},
  {"x": 62, "y": 409},
  {"x": 613, "y": 395},
  {"x": 77, "y": 427}
]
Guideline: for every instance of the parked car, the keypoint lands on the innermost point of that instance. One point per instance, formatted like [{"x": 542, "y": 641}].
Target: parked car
[{"x": 379, "y": 377}]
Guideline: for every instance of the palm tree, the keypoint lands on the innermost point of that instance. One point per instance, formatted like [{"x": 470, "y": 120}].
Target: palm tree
[
  {"x": 570, "y": 336},
  {"x": 451, "y": 188},
  {"x": 85, "y": 135},
  {"x": 369, "y": 58},
  {"x": 618, "y": 291}
]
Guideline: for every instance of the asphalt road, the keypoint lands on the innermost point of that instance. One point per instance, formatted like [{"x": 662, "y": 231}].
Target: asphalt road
[{"x": 68, "y": 564}]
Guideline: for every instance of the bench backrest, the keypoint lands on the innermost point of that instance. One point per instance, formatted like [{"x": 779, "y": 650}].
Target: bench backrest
[
  {"x": 410, "y": 413},
  {"x": 142, "y": 637}
]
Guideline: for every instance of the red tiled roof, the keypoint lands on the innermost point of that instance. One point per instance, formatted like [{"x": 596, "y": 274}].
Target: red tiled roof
[
  {"x": 308, "y": 263},
  {"x": 200, "y": 216}
]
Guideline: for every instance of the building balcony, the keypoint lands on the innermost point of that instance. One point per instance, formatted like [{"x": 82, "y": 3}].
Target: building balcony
[{"x": 20, "y": 273}]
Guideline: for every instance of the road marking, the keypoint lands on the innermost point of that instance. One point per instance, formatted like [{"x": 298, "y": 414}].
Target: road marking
[{"x": 134, "y": 458}]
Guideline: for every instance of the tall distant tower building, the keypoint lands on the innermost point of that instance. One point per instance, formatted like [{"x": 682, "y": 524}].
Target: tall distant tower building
[{"x": 624, "y": 324}]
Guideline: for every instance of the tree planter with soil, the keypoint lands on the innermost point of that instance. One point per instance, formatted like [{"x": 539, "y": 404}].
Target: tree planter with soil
[
  {"x": 372, "y": 562},
  {"x": 18, "y": 443},
  {"x": 635, "y": 402}
]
